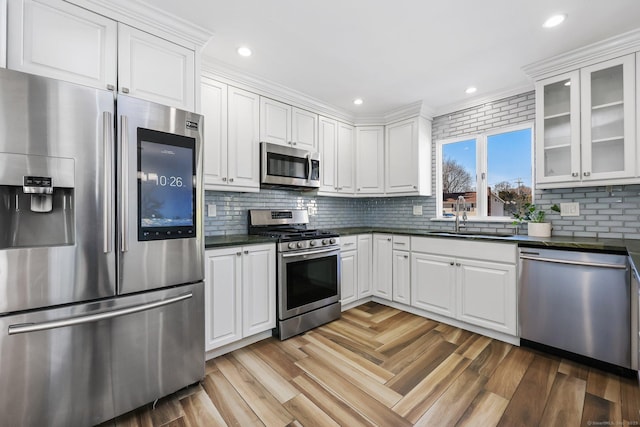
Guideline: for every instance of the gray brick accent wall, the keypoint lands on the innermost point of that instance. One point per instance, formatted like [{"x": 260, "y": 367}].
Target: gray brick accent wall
[{"x": 603, "y": 213}]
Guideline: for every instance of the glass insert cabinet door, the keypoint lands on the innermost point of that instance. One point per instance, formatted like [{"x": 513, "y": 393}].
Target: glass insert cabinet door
[
  {"x": 558, "y": 129},
  {"x": 608, "y": 108}
]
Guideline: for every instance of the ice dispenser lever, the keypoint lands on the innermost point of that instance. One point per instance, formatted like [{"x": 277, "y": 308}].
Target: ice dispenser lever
[{"x": 41, "y": 190}]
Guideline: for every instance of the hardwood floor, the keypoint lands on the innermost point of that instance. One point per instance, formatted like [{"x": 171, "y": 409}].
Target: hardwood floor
[{"x": 380, "y": 366}]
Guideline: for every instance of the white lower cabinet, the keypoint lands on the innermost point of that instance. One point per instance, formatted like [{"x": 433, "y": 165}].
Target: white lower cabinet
[
  {"x": 240, "y": 293},
  {"x": 382, "y": 266},
  {"x": 445, "y": 280},
  {"x": 401, "y": 267},
  {"x": 355, "y": 256}
]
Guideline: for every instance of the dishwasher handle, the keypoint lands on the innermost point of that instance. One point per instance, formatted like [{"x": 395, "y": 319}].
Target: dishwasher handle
[{"x": 581, "y": 263}]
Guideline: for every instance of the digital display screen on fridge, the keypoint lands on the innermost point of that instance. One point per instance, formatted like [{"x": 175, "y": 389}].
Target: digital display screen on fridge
[{"x": 166, "y": 186}]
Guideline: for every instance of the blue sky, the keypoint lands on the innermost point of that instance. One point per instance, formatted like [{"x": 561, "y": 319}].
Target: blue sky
[{"x": 509, "y": 156}]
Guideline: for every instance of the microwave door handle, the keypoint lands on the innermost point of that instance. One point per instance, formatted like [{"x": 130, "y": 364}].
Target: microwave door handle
[
  {"x": 124, "y": 180},
  {"x": 308, "y": 167},
  {"x": 107, "y": 176}
]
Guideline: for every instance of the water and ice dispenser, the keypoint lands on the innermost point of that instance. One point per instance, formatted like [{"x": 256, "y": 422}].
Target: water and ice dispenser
[{"x": 36, "y": 201}]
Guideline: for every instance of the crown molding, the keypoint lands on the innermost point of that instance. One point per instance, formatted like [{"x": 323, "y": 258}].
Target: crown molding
[
  {"x": 612, "y": 47},
  {"x": 217, "y": 70},
  {"x": 490, "y": 97},
  {"x": 147, "y": 17}
]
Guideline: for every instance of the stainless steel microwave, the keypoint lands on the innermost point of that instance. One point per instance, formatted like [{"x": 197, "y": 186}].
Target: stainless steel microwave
[{"x": 288, "y": 167}]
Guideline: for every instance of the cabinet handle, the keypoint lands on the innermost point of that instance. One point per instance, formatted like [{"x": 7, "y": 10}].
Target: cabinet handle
[
  {"x": 575, "y": 174},
  {"x": 230, "y": 179},
  {"x": 125, "y": 90},
  {"x": 399, "y": 243},
  {"x": 224, "y": 179},
  {"x": 246, "y": 252},
  {"x": 348, "y": 244},
  {"x": 111, "y": 87},
  {"x": 587, "y": 174},
  {"x": 238, "y": 253}
]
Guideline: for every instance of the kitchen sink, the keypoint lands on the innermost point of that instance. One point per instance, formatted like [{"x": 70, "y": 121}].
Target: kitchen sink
[{"x": 470, "y": 233}]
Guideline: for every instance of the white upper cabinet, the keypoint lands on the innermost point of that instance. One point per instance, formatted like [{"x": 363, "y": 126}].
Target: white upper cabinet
[
  {"x": 283, "y": 124},
  {"x": 336, "y": 145},
  {"x": 231, "y": 145},
  {"x": 53, "y": 38},
  {"x": 155, "y": 69},
  {"x": 408, "y": 157},
  {"x": 369, "y": 160},
  {"x": 586, "y": 125}
]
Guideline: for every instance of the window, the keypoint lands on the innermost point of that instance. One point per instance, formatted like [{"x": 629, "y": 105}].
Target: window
[{"x": 492, "y": 171}]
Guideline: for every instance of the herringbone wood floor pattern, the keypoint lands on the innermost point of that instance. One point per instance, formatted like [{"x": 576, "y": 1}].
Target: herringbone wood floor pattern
[{"x": 381, "y": 366}]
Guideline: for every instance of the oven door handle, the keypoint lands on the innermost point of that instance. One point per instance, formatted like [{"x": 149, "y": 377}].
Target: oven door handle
[{"x": 300, "y": 254}]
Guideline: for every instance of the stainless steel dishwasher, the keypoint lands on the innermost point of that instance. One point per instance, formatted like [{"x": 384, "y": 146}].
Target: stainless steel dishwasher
[{"x": 578, "y": 302}]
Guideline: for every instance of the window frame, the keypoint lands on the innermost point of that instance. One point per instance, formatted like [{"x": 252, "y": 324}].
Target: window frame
[{"x": 481, "y": 140}]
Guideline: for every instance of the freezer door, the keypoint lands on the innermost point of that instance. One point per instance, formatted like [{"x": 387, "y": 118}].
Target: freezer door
[
  {"x": 55, "y": 137},
  {"x": 84, "y": 364},
  {"x": 160, "y": 237}
]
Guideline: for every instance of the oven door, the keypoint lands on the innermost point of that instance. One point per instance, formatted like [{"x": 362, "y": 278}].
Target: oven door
[{"x": 307, "y": 280}]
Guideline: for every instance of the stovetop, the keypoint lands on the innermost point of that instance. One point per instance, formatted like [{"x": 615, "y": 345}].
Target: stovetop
[{"x": 293, "y": 234}]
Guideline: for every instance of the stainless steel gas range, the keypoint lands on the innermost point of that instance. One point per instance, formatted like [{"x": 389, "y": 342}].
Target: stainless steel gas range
[{"x": 308, "y": 270}]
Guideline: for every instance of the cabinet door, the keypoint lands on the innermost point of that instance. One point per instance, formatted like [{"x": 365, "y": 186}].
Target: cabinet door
[
  {"x": 487, "y": 295},
  {"x": 608, "y": 119},
  {"x": 365, "y": 265},
  {"x": 348, "y": 276},
  {"x": 433, "y": 284},
  {"x": 328, "y": 136},
  {"x": 401, "y": 155},
  {"x": 558, "y": 134},
  {"x": 258, "y": 289},
  {"x": 275, "y": 122},
  {"x": 243, "y": 152},
  {"x": 155, "y": 69},
  {"x": 345, "y": 159},
  {"x": 223, "y": 297},
  {"x": 214, "y": 109},
  {"x": 53, "y": 38},
  {"x": 401, "y": 277},
  {"x": 382, "y": 266},
  {"x": 304, "y": 129},
  {"x": 370, "y": 160}
]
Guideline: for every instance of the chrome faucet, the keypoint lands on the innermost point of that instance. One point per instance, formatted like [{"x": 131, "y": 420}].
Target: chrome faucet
[{"x": 464, "y": 213}]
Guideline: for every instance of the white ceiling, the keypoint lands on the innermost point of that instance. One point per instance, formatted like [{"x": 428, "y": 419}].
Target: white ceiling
[{"x": 393, "y": 53}]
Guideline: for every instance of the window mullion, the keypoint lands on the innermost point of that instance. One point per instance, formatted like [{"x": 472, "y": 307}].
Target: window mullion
[{"x": 481, "y": 183}]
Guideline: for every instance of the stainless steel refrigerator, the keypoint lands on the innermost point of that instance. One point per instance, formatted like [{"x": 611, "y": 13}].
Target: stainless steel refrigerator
[{"x": 101, "y": 252}]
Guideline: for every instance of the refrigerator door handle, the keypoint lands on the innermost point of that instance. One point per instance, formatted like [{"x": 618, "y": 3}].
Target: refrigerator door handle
[
  {"x": 124, "y": 180},
  {"x": 90, "y": 318},
  {"x": 107, "y": 213}
]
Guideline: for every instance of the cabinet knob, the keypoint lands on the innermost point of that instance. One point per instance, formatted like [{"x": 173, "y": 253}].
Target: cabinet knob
[
  {"x": 575, "y": 174},
  {"x": 587, "y": 174},
  {"x": 295, "y": 143},
  {"x": 111, "y": 87},
  {"x": 406, "y": 256},
  {"x": 415, "y": 187},
  {"x": 238, "y": 253},
  {"x": 246, "y": 252},
  {"x": 125, "y": 90},
  {"x": 458, "y": 264},
  {"x": 339, "y": 188},
  {"x": 389, "y": 239},
  {"x": 230, "y": 179},
  {"x": 452, "y": 263},
  {"x": 358, "y": 189},
  {"x": 224, "y": 179}
]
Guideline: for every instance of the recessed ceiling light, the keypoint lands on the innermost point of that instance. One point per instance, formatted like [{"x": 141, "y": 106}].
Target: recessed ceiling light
[
  {"x": 358, "y": 101},
  {"x": 555, "y": 20},
  {"x": 471, "y": 90},
  {"x": 244, "y": 51}
]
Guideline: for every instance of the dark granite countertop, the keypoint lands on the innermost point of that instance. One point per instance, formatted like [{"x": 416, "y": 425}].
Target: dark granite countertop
[{"x": 631, "y": 246}]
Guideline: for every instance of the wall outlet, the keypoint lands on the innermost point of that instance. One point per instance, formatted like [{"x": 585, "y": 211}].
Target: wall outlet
[
  {"x": 570, "y": 209},
  {"x": 417, "y": 210},
  {"x": 211, "y": 211},
  {"x": 312, "y": 210}
]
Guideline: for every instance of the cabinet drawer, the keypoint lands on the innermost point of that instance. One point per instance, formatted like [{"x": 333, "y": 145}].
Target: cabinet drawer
[
  {"x": 466, "y": 248},
  {"x": 348, "y": 242},
  {"x": 401, "y": 242}
]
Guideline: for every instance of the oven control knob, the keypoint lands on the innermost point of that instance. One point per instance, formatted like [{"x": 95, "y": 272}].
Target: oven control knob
[
  {"x": 313, "y": 243},
  {"x": 292, "y": 245},
  {"x": 332, "y": 241},
  {"x": 300, "y": 244},
  {"x": 325, "y": 241}
]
